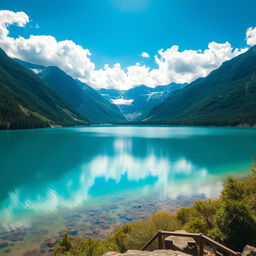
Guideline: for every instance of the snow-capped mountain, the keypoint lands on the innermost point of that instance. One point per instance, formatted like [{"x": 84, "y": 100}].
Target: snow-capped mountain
[{"x": 137, "y": 102}]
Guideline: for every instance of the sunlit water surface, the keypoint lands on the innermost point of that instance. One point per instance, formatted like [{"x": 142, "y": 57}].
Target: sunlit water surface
[{"x": 47, "y": 175}]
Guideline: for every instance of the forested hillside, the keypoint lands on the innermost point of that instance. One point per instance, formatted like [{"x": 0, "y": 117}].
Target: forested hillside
[{"x": 27, "y": 102}]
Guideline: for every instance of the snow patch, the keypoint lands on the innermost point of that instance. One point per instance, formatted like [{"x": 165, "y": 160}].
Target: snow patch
[
  {"x": 36, "y": 70},
  {"x": 122, "y": 101}
]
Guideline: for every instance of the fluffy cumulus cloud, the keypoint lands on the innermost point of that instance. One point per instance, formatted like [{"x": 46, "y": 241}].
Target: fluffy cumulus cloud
[
  {"x": 185, "y": 66},
  {"x": 44, "y": 50},
  {"x": 251, "y": 36},
  {"x": 7, "y": 18},
  {"x": 144, "y": 55},
  {"x": 172, "y": 65}
]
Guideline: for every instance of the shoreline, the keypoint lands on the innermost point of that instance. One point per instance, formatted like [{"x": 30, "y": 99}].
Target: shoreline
[
  {"x": 100, "y": 224},
  {"x": 92, "y": 221},
  {"x": 133, "y": 124}
]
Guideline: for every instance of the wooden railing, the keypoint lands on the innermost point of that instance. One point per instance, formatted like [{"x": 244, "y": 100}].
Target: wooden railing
[{"x": 199, "y": 238}]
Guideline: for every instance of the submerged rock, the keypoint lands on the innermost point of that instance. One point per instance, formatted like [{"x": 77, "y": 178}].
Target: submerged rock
[
  {"x": 8, "y": 250},
  {"x": 35, "y": 252},
  {"x": 3, "y": 244}
]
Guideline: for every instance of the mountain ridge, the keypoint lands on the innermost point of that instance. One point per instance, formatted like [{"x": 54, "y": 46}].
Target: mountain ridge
[
  {"x": 226, "y": 97},
  {"x": 27, "y": 102},
  {"x": 82, "y": 97},
  {"x": 137, "y": 102}
]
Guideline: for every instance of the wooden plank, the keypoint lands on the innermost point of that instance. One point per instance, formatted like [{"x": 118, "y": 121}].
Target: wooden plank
[
  {"x": 220, "y": 246},
  {"x": 201, "y": 245},
  {"x": 160, "y": 241},
  {"x": 199, "y": 237},
  {"x": 149, "y": 242},
  {"x": 217, "y": 253},
  {"x": 193, "y": 235}
]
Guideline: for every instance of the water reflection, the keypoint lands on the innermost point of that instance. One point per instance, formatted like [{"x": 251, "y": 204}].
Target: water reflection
[{"x": 45, "y": 170}]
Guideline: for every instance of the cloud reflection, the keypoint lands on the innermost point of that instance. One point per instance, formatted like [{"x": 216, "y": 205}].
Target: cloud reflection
[{"x": 172, "y": 178}]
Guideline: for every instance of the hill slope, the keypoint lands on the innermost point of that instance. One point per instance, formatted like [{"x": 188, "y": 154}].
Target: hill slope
[
  {"x": 227, "y": 96},
  {"x": 82, "y": 97},
  {"x": 27, "y": 102}
]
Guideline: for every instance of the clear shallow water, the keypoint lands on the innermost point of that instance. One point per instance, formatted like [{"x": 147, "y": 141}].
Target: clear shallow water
[{"x": 47, "y": 174}]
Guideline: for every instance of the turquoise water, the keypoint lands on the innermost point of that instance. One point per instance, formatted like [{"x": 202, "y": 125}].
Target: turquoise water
[{"x": 50, "y": 172}]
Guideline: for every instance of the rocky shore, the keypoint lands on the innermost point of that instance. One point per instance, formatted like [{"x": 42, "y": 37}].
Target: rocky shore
[{"x": 91, "y": 221}]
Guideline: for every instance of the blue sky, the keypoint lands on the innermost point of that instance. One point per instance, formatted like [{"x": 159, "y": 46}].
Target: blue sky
[{"x": 118, "y": 31}]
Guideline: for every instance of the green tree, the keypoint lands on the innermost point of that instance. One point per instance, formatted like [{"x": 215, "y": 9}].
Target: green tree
[
  {"x": 233, "y": 190},
  {"x": 117, "y": 240},
  {"x": 184, "y": 214},
  {"x": 236, "y": 224},
  {"x": 92, "y": 247},
  {"x": 206, "y": 210},
  {"x": 64, "y": 246}
]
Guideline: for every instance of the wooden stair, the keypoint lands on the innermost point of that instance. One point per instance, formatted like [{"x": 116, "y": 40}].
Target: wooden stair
[{"x": 200, "y": 239}]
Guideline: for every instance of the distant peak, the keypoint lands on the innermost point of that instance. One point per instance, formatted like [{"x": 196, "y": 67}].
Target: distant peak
[{"x": 54, "y": 68}]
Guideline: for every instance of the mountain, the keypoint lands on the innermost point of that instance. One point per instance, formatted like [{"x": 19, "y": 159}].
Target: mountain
[
  {"x": 111, "y": 94},
  {"x": 82, "y": 97},
  {"x": 106, "y": 111},
  {"x": 136, "y": 103},
  {"x": 34, "y": 67},
  {"x": 27, "y": 102},
  {"x": 227, "y": 96}
]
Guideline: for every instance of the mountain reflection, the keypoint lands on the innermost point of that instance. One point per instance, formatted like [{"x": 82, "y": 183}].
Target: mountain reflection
[{"x": 67, "y": 168}]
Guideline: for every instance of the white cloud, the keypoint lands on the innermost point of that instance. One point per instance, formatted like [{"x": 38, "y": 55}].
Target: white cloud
[
  {"x": 173, "y": 65},
  {"x": 251, "y": 36},
  {"x": 44, "y": 49},
  {"x": 7, "y": 18},
  {"x": 188, "y": 65},
  {"x": 144, "y": 55}
]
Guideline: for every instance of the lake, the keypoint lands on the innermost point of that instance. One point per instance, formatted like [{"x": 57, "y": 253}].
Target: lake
[{"x": 86, "y": 179}]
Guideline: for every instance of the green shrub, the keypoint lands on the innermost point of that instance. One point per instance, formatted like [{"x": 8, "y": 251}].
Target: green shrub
[
  {"x": 233, "y": 190},
  {"x": 236, "y": 224},
  {"x": 196, "y": 225},
  {"x": 142, "y": 231},
  {"x": 117, "y": 240},
  {"x": 184, "y": 214},
  {"x": 80, "y": 247},
  {"x": 206, "y": 209},
  {"x": 65, "y": 245}
]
